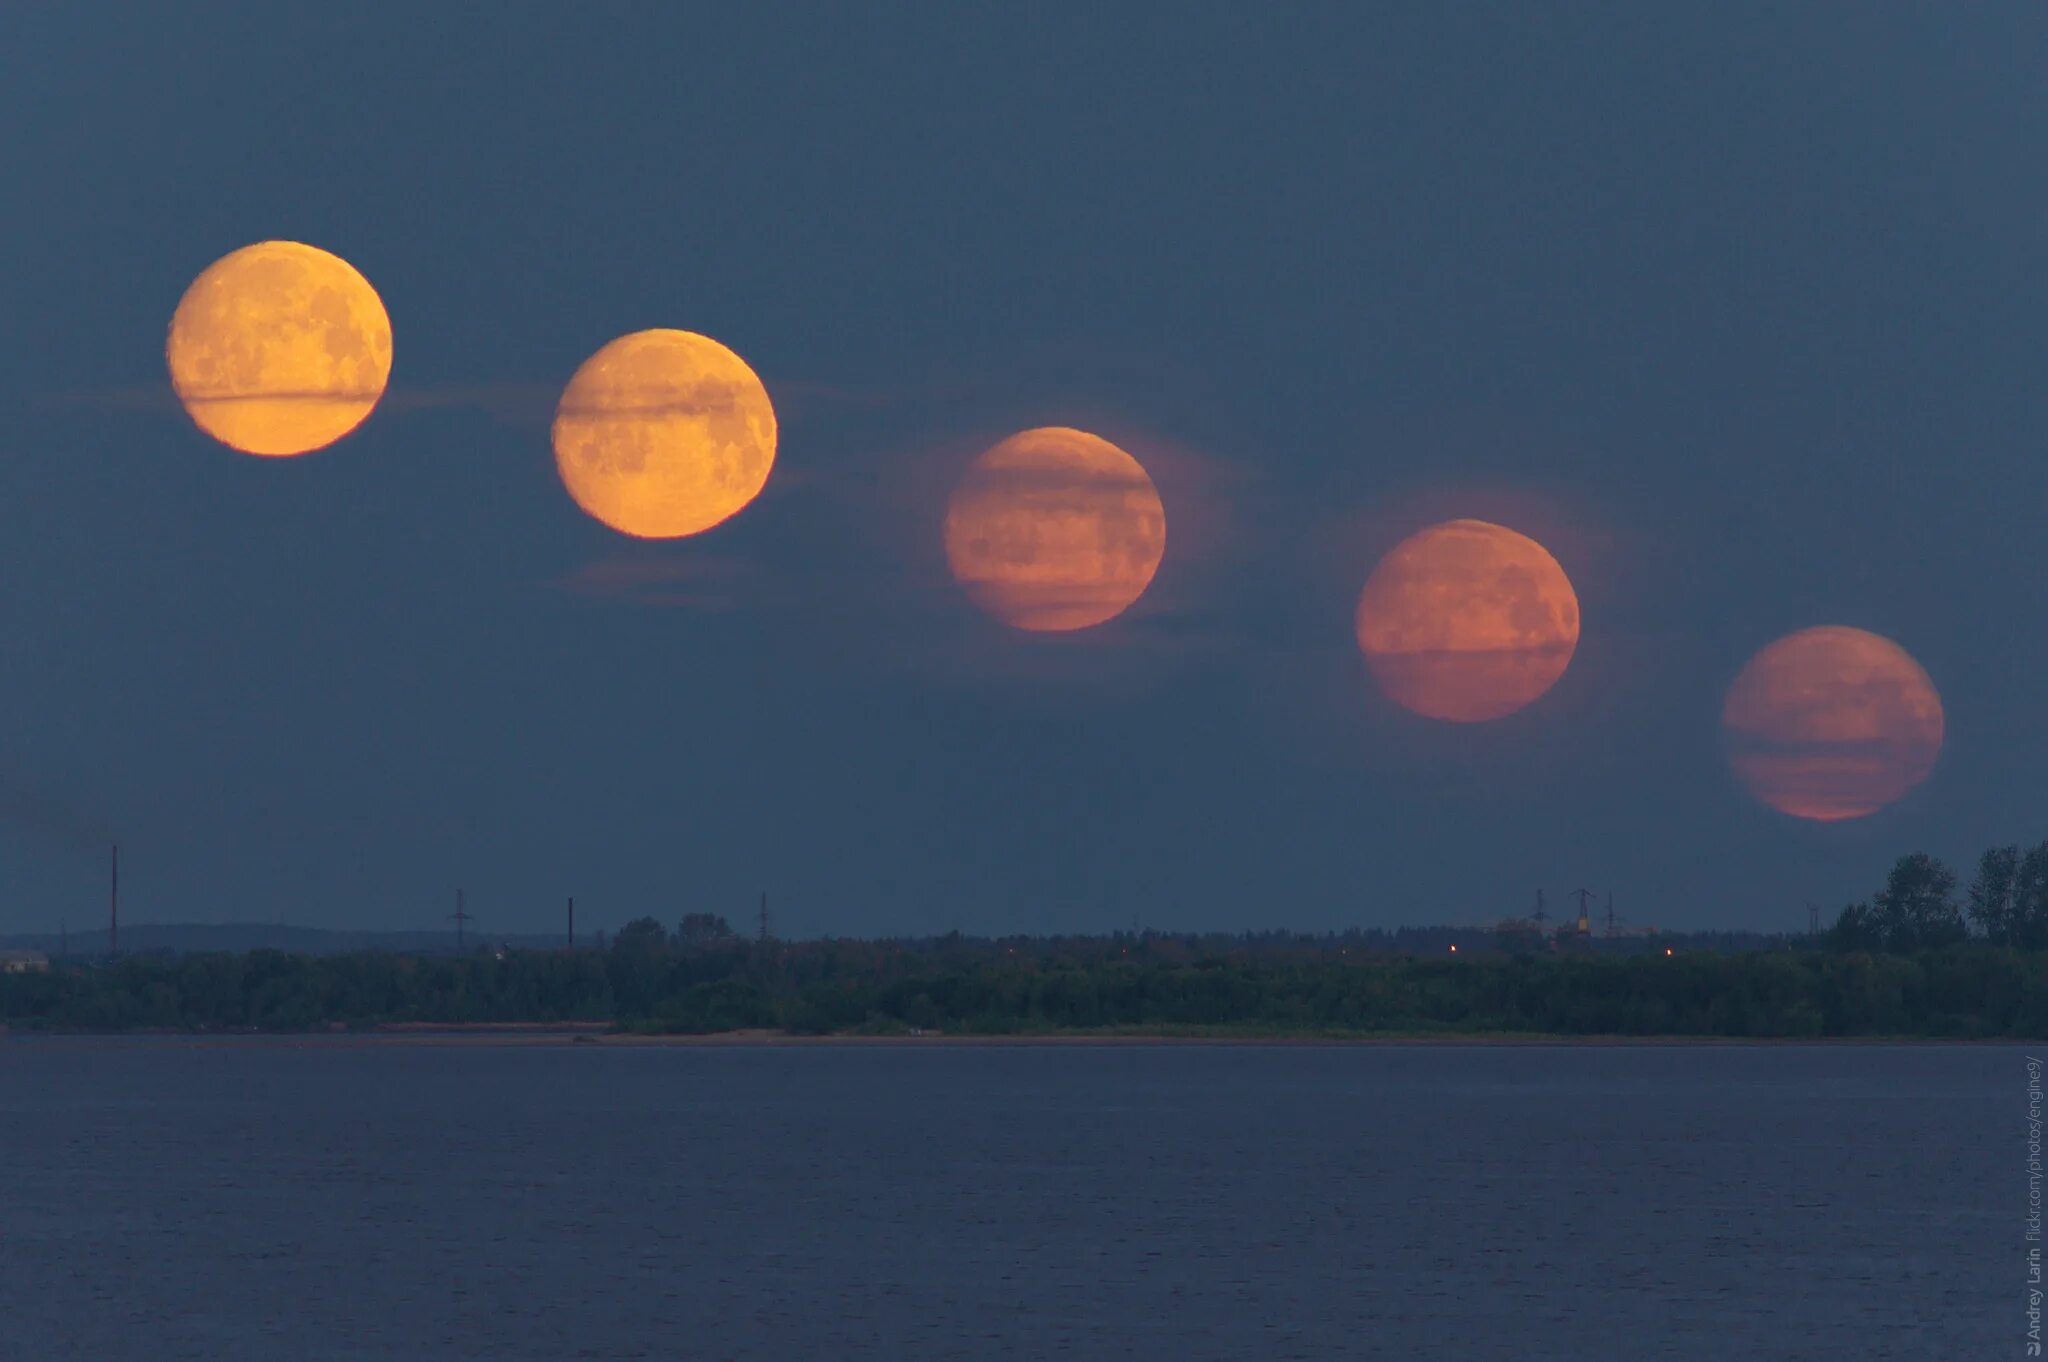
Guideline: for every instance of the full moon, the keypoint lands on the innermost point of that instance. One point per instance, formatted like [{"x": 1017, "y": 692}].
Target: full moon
[
  {"x": 279, "y": 349},
  {"x": 1832, "y": 723},
  {"x": 1055, "y": 529},
  {"x": 1467, "y": 621},
  {"x": 664, "y": 433}
]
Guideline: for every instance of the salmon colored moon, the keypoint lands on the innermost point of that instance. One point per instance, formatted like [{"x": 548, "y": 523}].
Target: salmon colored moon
[
  {"x": 1467, "y": 621},
  {"x": 1055, "y": 529},
  {"x": 279, "y": 349},
  {"x": 664, "y": 433},
  {"x": 1832, "y": 723}
]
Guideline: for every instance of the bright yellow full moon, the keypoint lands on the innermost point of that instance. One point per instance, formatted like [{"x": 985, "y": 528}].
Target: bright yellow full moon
[
  {"x": 1055, "y": 529},
  {"x": 664, "y": 433},
  {"x": 279, "y": 349}
]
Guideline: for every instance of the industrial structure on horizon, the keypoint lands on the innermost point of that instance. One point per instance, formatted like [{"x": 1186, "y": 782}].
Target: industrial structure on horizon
[{"x": 1534, "y": 932}]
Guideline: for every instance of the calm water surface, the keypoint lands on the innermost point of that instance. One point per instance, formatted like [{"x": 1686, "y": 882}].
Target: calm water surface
[{"x": 318, "y": 1201}]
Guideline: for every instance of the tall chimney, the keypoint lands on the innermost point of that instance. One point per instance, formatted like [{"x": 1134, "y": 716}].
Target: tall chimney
[
  {"x": 572, "y": 922},
  {"x": 114, "y": 907}
]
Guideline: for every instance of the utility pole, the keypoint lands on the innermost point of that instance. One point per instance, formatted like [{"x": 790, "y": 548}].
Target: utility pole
[
  {"x": 572, "y": 922},
  {"x": 114, "y": 907},
  {"x": 1585, "y": 922},
  {"x": 460, "y": 917},
  {"x": 1542, "y": 914},
  {"x": 1611, "y": 918}
]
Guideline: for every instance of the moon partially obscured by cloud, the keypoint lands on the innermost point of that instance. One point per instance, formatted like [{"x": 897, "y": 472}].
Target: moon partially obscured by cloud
[
  {"x": 664, "y": 433},
  {"x": 1055, "y": 529},
  {"x": 279, "y": 349},
  {"x": 1832, "y": 723},
  {"x": 1467, "y": 621}
]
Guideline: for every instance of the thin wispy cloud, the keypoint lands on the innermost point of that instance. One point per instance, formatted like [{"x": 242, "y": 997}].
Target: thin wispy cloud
[
  {"x": 694, "y": 583},
  {"x": 513, "y": 403}
]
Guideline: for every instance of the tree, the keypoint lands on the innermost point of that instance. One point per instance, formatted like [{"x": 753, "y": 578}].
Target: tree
[
  {"x": 2030, "y": 900},
  {"x": 702, "y": 929},
  {"x": 641, "y": 936},
  {"x": 1854, "y": 930},
  {"x": 1518, "y": 936},
  {"x": 1992, "y": 893},
  {"x": 1916, "y": 909},
  {"x": 2009, "y": 898}
]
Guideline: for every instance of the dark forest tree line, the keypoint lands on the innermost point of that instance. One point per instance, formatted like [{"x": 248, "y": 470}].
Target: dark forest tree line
[
  {"x": 2007, "y": 904},
  {"x": 649, "y": 979},
  {"x": 1904, "y": 963}
]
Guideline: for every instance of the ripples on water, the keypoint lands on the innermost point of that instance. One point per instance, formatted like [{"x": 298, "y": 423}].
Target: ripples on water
[{"x": 320, "y": 1201}]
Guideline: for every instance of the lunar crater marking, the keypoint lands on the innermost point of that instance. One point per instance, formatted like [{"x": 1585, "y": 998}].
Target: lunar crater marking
[
  {"x": 279, "y": 349},
  {"x": 664, "y": 433}
]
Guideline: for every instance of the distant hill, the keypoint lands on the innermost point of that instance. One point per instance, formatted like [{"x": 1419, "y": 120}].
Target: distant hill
[{"x": 189, "y": 938}]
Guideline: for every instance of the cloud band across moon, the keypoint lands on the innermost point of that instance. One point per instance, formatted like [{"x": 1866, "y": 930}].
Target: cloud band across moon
[
  {"x": 279, "y": 349},
  {"x": 1832, "y": 723}
]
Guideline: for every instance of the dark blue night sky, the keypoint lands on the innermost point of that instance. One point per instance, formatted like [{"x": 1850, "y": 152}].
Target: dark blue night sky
[{"x": 1739, "y": 309}]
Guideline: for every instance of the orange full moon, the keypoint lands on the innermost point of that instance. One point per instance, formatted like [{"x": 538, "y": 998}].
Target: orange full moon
[
  {"x": 279, "y": 349},
  {"x": 1467, "y": 621},
  {"x": 1055, "y": 529},
  {"x": 664, "y": 433},
  {"x": 1832, "y": 723}
]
